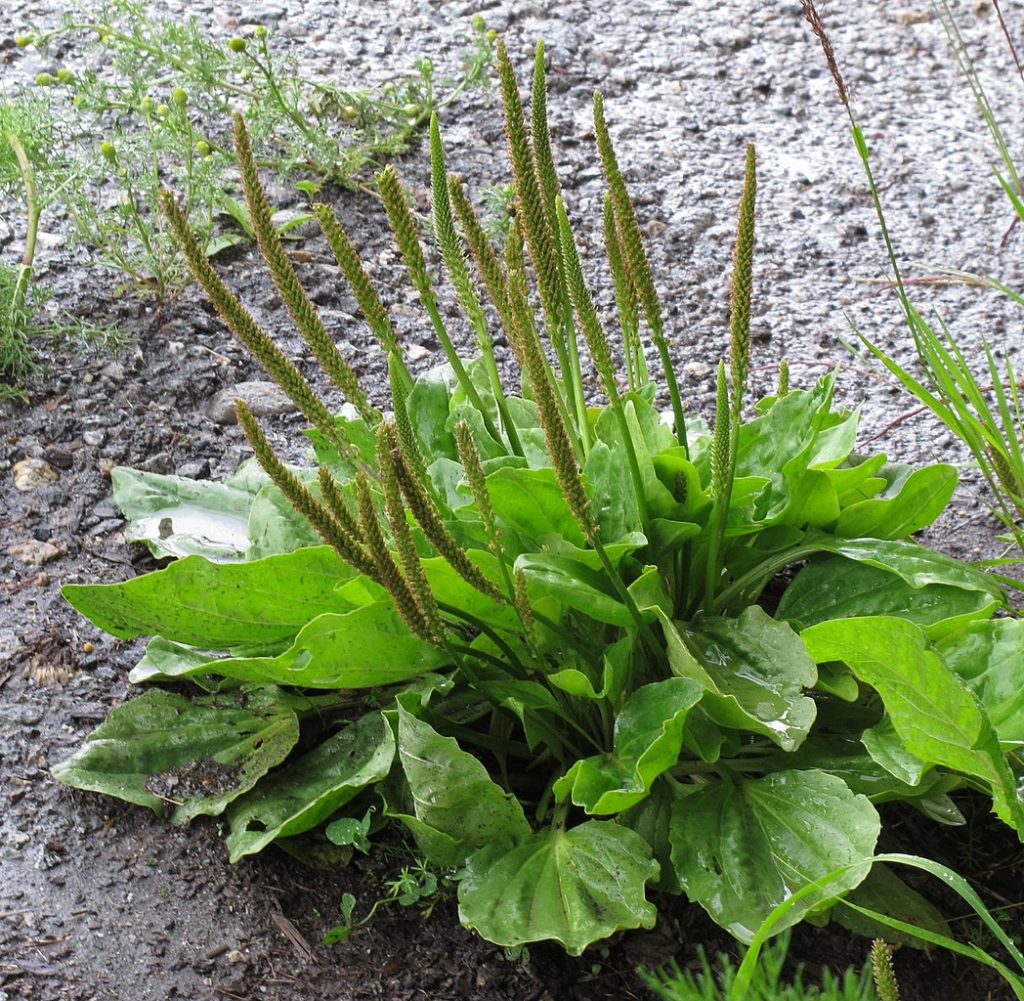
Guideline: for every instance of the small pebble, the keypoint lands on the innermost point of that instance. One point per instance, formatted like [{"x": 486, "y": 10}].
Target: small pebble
[{"x": 29, "y": 474}]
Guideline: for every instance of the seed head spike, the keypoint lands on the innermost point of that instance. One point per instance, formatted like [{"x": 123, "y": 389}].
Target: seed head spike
[
  {"x": 359, "y": 281},
  {"x": 300, "y": 497},
  {"x": 302, "y": 311},
  {"x": 432, "y": 522},
  {"x": 388, "y": 574},
  {"x": 403, "y": 225},
  {"x": 241, "y": 323},
  {"x": 539, "y": 236},
  {"x": 404, "y": 542},
  {"x": 742, "y": 281}
]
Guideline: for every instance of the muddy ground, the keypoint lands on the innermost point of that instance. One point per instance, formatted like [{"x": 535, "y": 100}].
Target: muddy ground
[{"x": 100, "y": 900}]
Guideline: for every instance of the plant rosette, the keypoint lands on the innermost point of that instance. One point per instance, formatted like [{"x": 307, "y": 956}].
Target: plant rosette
[{"x": 531, "y": 631}]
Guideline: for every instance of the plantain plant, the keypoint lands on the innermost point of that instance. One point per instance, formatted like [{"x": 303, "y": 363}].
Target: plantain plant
[{"x": 547, "y": 636}]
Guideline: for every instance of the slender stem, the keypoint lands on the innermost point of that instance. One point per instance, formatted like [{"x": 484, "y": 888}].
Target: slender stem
[
  {"x": 33, "y": 210},
  {"x": 489, "y": 632},
  {"x": 430, "y": 304}
]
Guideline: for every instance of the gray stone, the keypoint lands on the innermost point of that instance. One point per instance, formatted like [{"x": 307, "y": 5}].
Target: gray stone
[{"x": 264, "y": 399}]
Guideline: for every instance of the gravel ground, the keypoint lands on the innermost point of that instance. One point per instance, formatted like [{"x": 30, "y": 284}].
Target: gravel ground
[{"x": 102, "y": 901}]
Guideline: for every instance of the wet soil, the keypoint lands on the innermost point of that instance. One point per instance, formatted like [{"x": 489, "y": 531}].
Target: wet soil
[{"x": 101, "y": 900}]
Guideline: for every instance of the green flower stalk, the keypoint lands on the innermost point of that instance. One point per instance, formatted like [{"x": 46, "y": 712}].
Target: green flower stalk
[
  {"x": 403, "y": 225},
  {"x": 600, "y": 351},
  {"x": 782, "y": 389},
  {"x": 431, "y": 521},
  {"x": 366, "y": 296},
  {"x": 458, "y": 272},
  {"x": 475, "y": 477},
  {"x": 387, "y": 573},
  {"x": 339, "y": 509},
  {"x": 403, "y": 426},
  {"x": 299, "y": 495},
  {"x": 540, "y": 140},
  {"x": 407, "y": 236},
  {"x": 303, "y": 312},
  {"x": 625, "y": 300},
  {"x": 541, "y": 239},
  {"x": 522, "y": 598},
  {"x": 255, "y": 340},
  {"x": 635, "y": 258},
  {"x": 742, "y": 281},
  {"x": 485, "y": 257},
  {"x": 721, "y": 484},
  {"x": 404, "y": 542}
]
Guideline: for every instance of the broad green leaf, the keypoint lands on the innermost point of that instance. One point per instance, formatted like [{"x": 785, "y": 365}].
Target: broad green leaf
[
  {"x": 857, "y": 480},
  {"x": 453, "y": 794},
  {"x": 933, "y": 711},
  {"x": 989, "y": 657},
  {"x": 648, "y": 737},
  {"x": 165, "y": 661},
  {"x": 758, "y": 672},
  {"x": 540, "y": 713},
  {"x": 833, "y": 445},
  {"x": 611, "y": 492},
  {"x": 428, "y": 413},
  {"x": 275, "y": 526},
  {"x": 219, "y": 605},
  {"x": 450, "y": 589},
  {"x": 834, "y": 587},
  {"x": 916, "y": 564},
  {"x": 779, "y": 445},
  {"x": 838, "y": 680},
  {"x": 573, "y": 585},
  {"x": 682, "y": 478},
  {"x": 883, "y": 743},
  {"x": 309, "y": 789},
  {"x": 531, "y": 504},
  {"x": 363, "y": 648},
  {"x": 649, "y": 436},
  {"x": 574, "y": 886},
  {"x": 196, "y": 754},
  {"x": 176, "y": 516},
  {"x": 651, "y": 818},
  {"x": 909, "y": 504},
  {"x": 885, "y": 892},
  {"x": 614, "y": 671},
  {"x": 847, "y": 758},
  {"x": 742, "y": 846}
]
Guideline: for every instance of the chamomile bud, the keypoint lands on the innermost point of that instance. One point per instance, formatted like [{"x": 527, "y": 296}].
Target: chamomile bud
[
  {"x": 179, "y": 97},
  {"x": 45, "y": 79},
  {"x": 147, "y": 106},
  {"x": 411, "y": 110},
  {"x": 162, "y": 111},
  {"x": 23, "y": 40},
  {"x": 236, "y": 44},
  {"x": 203, "y": 148},
  {"x": 261, "y": 31},
  {"x": 478, "y": 23},
  {"x": 349, "y": 113},
  {"x": 109, "y": 151},
  {"x": 491, "y": 35}
]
